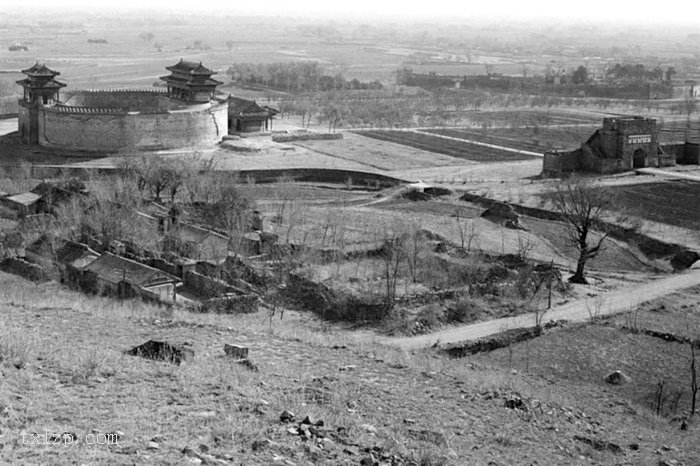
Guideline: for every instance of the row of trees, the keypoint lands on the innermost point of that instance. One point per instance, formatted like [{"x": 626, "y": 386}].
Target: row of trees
[
  {"x": 296, "y": 76},
  {"x": 446, "y": 107},
  {"x": 639, "y": 73}
]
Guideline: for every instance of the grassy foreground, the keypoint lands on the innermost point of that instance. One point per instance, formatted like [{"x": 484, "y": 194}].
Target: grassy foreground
[{"x": 63, "y": 371}]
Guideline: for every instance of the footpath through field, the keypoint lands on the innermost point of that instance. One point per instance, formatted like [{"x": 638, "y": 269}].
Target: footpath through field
[
  {"x": 577, "y": 311},
  {"x": 484, "y": 144}
]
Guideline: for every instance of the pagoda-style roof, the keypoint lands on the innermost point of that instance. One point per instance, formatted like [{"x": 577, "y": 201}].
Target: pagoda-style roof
[
  {"x": 190, "y": 67},
  {"x": 174, "y": 79},
  {"x": 187, "y": 73},
  {"x": 40, "y": 71},
  {"x": 32, "y": 83}
]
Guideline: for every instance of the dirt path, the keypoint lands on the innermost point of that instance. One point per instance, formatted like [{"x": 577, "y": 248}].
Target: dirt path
[
  {"x": 577, "y": 311},
  {"x": 484, "y": 144},
  {"x": 667, "y": 174}
]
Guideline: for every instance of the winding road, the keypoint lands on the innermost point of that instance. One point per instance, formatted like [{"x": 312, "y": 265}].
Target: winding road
[{"x": 577, "y": 311}]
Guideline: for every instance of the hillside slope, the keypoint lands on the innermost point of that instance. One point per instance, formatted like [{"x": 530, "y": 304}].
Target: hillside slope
[{"x": 64, "y": 371}]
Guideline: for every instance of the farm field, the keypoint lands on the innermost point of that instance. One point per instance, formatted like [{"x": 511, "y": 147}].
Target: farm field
[
  {"x": 672, "y": 202},
  {"x": 462, "y": 150},
  {"x": 379, "y": 154},
  {"x": 535, "y": 138}
]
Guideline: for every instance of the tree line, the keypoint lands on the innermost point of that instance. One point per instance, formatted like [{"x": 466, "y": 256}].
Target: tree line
[{"x": 296, "y": 76}]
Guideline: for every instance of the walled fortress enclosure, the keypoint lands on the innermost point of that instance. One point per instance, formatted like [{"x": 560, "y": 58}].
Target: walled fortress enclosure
[
  {"x": 185, "y": 114},
  {"x": 622, "y": 144}
]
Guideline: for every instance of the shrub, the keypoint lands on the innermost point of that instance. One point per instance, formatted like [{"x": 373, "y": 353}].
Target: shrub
[
  {"x": 431, "y": 316},
  {"x": 464, "y": 310}
]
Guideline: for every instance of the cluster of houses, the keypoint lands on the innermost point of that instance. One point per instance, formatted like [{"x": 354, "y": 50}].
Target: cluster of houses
[{"x": 192, "y": 273}]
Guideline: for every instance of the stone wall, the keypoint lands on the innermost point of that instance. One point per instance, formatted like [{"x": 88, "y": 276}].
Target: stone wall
[
  {"x": 556, "y": 163},
  {"x": 687, "y": 153},
  {"x": 103, "y": 130},
  {"x": 204, "y": 286},
  {"x": 25, "y": 269}
]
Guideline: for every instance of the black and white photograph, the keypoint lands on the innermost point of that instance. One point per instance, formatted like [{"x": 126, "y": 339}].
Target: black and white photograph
[{"x": 367, "y": 233}]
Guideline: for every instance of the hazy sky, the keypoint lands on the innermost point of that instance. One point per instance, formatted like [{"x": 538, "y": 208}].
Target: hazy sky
[{"x": 682, "y": 11}]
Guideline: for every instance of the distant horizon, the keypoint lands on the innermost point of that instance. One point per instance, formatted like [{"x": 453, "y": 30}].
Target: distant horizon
[{"x": 545, "y": 11}]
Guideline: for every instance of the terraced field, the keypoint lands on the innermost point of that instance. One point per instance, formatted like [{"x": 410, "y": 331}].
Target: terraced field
[{"x": 459, "y": 149}]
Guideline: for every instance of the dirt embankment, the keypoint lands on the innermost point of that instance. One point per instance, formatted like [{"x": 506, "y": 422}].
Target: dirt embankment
[{"x": 680, "y": 256}]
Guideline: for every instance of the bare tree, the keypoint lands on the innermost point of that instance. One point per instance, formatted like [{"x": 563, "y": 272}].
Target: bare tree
[
  {"x": 392, "y": 255},
  {"x": 414, "y": 250},
  {"x": 694, "y": 379},
  {"x": 582, "y": 206}
]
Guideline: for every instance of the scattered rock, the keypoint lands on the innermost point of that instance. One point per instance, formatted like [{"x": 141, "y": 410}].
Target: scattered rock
[
  {"x": 236, "y": 351},
  {"x": 162, "y": 351},
  {"x": 514, "y": 401},
  {"x": 369, "y": 461},
  {"x": 599, "y": 444},
  {"x": 409, "y": 421},
  {"x": 436, "y": 438},
  {"x": 617, "y": 378},
  {"x": 634, "y": 446},
  {"x": 348, "y": 368},
  {"x": 310, "y": 421},
  {"x": 158, "y": 439},
  {"x": 369, "y": 428},
  {"x": 249, "y": 364},
  {"x": 555, "y": 323},
  {"x": 153, "y": 446},
  {"x": 287, "y": 416}
]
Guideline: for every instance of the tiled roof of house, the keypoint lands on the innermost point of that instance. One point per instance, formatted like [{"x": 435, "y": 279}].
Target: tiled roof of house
[
  {"x": 195, "y": 234},
  {"x": 115, "y": 269},
  {"x": 245, "y": 107},
  {"x": 75, "y": 253}
]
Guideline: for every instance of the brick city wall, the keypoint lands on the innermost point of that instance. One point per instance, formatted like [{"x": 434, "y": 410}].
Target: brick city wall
[{"x": 95, "y": 129}]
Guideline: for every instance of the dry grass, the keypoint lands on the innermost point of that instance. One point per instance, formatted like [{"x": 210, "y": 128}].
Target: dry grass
[{"x": 75, "y": 378}]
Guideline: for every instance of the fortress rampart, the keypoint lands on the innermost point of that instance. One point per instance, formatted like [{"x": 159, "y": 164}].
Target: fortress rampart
[
  {"x": 149, "y": 128},
  {"x": 184, "y": 114}
]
